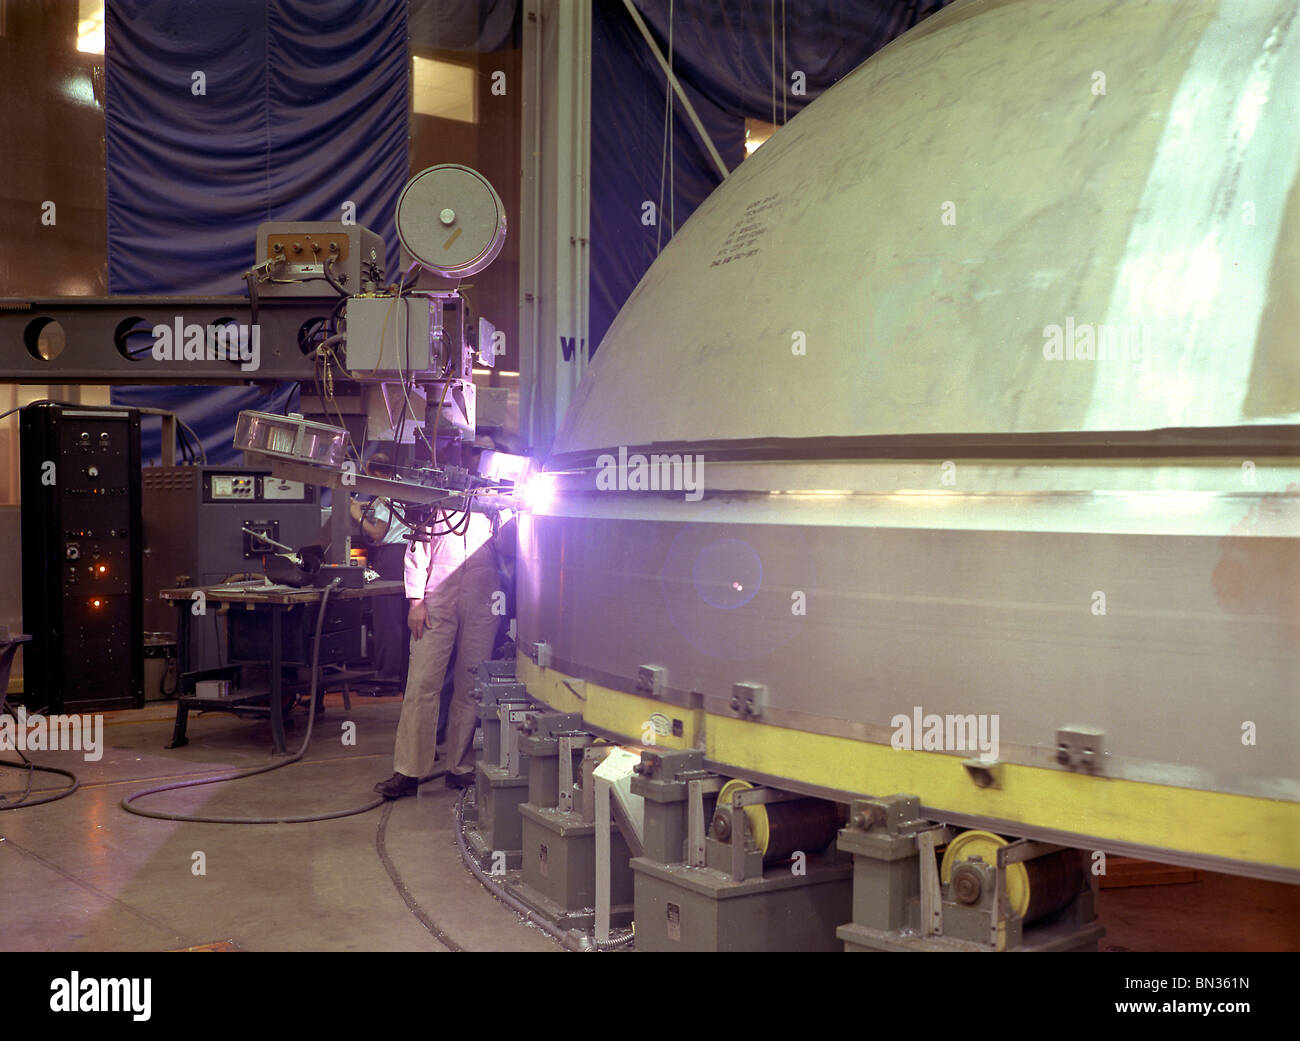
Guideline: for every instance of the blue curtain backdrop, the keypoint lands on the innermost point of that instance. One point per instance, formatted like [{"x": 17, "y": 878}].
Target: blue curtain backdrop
[
  {"x": 303, "y": 108},
  {"x": 464, "y": 25},
  {"x": 728, "y": 57}
]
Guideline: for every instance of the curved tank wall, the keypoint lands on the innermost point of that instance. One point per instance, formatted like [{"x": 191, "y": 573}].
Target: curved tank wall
[{"x": 986, "y": 366}]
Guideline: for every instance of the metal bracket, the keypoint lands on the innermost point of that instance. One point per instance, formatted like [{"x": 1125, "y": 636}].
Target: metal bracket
[
  {"x": 931, "y": 894},
  {"x": 604, "y": 839},
  {"x": 652, "y": 680},
  {"x": 541, "y": 654},
  {"x": 497, "y": 672},
  {"x": 1023, "y": 850},
  {"x": 511, "y": 720},
  {"x": 1015, "y": 853},
  {"x": 741, "y": 798},
  {"x": 985, "y": 773},
  {"x": 748, "y": 700},
  {"x": 568, "y": 744},
  {"x": 591, "y": 758},
  {"x": 1001, "y": 905},
  {"x": 695, "y": 823},
  {"x": 1081, "y": 748}
]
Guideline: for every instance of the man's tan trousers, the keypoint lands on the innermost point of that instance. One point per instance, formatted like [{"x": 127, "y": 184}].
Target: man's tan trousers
[{"x": 460, "y": 611}]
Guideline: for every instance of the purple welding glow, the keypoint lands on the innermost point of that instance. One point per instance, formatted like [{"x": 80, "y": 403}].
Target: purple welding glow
[{"x": 538, "y": 492}]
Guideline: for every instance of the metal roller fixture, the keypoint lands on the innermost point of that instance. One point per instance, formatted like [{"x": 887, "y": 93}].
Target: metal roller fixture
[
  {"x": 1035, "y": 888},
  {"x": 782, "y": 829}
]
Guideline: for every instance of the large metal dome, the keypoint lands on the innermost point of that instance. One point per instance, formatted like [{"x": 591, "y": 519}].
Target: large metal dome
[{"x": 1003, "y": 168}]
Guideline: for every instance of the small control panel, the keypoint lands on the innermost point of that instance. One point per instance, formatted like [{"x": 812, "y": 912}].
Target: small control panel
[
  {"x": 301, "y": 248},
  {"x": 255, "y": 547},
  {"x": 232, "y": 486},
  {"x": 242, "y": 485},
  {"x": 295, "y": 256},
  {"x": 276, "y": 489}
]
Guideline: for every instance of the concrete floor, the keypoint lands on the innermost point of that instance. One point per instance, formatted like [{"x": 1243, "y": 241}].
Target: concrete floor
[
  {"x": 81, "y": 874},
  {"x": 1218, "y": 913}
]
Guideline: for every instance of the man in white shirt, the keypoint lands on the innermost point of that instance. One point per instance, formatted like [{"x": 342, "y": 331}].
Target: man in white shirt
[{"x": 451, "y": 583}]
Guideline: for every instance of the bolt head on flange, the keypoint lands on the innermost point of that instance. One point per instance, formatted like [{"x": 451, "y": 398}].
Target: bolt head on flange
[
  {"x": 966, "y": 884},
  {"x": 722, "y": 827}
]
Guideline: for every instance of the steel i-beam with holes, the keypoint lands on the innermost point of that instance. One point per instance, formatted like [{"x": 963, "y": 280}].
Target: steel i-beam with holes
[{"x": 110, "y": 339}]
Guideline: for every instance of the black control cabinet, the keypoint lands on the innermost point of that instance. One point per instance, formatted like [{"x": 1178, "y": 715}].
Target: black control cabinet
[{"x": 81, "y": 546}]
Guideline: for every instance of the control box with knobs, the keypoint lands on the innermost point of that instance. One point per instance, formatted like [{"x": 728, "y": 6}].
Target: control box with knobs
[{"x": 296, "y": 253}]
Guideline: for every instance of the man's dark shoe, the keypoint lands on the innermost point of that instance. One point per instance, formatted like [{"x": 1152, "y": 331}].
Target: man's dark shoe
[
  {"x": 397, "y": 786},
  {"x": 464, "y": 780}
]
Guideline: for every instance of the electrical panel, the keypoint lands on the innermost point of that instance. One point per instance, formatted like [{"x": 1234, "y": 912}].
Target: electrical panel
[
  {"x": 194, "y": 518},
  {"x": 392, "y": 338},
  {"x": 297, "y": 252},
  {"x": 81, "y": 542}
]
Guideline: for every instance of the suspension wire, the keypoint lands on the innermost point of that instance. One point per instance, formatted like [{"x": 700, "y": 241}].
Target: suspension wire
[
  {"x": 672, "y": 161},
  {"x": 772, "y": 60},
  {"x": 663, "y": 165},
  {"x": 667, "y": 163}
]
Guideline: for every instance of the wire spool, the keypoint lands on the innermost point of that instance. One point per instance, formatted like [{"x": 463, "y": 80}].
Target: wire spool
[
  {"x": 1035, "y": 888},
  {"x": 451, "y": 220},
  {"x": 781, "y": 829}
]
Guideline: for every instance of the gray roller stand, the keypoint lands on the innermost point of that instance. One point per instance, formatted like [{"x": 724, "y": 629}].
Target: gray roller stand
[
  {"x": 900, "y": 904},
  {"x": 559, "y": 828},
  {"x": 494, "y": 831},
  {"x": 697, "y": 893}
]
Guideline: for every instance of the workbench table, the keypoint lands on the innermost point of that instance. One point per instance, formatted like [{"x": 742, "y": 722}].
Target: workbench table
[{"x": 270, "y": 606}]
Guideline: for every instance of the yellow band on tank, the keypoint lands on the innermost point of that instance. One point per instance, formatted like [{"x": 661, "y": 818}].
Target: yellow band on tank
[{"x": 1247, "y": 828}]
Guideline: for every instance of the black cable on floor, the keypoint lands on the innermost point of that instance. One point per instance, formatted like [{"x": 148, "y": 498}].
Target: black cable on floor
[
  {"x": 24, "y": 802},
  {"x": 420, "y": 915},
  {"x": 311, "y": 722}
]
